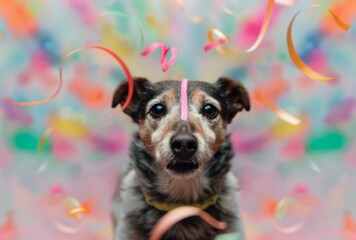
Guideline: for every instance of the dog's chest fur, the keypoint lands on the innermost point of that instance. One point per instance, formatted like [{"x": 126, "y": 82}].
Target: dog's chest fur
[{"x": 135, "y": 219}]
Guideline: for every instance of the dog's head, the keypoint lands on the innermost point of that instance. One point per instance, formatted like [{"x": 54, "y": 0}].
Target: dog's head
[{"x": 183, "y": 148}]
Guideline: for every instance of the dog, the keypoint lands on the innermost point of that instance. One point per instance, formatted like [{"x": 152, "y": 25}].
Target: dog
[{"x": 176, "y": 162}]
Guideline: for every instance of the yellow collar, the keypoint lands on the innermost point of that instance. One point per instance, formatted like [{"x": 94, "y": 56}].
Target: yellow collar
[{"x": 166, "y": 207}]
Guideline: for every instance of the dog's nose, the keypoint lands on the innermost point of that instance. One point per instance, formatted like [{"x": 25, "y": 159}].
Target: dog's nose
[{"x": 184, "y": 145}]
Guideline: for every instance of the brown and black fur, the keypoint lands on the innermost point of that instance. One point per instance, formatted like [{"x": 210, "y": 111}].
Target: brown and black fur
[{"x": 148, "y": 171}]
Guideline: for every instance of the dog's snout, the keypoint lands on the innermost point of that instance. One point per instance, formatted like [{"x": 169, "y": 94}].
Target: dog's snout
[{"x": 184, "y": 145}]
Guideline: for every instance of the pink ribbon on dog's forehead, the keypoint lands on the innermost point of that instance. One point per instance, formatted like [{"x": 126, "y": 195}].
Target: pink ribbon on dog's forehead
[{"x": 184, "y": 99}]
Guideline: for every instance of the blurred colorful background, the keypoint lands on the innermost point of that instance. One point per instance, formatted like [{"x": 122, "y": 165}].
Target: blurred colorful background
[{"x": 59, "y": 164}]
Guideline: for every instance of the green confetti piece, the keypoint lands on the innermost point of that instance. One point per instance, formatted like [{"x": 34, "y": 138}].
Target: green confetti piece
[{"x": 328, "y": 141}]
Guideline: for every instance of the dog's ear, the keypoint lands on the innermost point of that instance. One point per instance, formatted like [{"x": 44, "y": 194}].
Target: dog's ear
[
  {"x": 235, "y": 96},
  {"x": 141, "y": 87}
]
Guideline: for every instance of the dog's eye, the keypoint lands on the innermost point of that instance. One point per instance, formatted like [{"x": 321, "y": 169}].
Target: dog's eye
[
  {"x": 209, "y": 111},
  {"x": 157, "y": 110}
]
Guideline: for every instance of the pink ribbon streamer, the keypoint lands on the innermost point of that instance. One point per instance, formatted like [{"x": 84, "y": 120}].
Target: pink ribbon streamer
[
  {"x": 215, "y": 44},
  {"x": 184, "y": 99},
  {"x": 180, "y": 213},
  {"x": 165, "y": 65}
]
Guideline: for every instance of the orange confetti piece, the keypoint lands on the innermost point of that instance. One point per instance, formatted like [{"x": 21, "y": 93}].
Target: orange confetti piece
[
  {"x": 180, "y": 213},
  {"x": 298, "y": 62},
  {"x": 18, "y": 17}
]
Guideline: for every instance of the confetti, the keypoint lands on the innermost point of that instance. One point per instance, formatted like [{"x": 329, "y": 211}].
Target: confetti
[
  {"x": 184, "y": 99},
  {"x": 180, "y": 213},
  {"x": 165, "y": 65},
  {"x": 298, "y": 62}
]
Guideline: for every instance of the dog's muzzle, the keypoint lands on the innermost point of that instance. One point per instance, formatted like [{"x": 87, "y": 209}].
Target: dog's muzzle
[{"x": 183, "y": 147}]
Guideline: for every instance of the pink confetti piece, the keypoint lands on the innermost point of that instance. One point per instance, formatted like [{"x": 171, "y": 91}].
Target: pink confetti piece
[
  {"x": 180, "y": 213},
  {"x": 184, "y": 99},
  {"x": 165, "y": 65}
]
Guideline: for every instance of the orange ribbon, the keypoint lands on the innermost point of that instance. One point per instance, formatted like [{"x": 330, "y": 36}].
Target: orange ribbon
[
  {"x": 285, "y": 116},
  {"x": 294, "y": 55},
  {"x": 106, "y": 50},
  {"x": 260, "y": 37}
]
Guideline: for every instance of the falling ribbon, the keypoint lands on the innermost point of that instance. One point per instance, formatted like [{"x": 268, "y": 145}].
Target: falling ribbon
[
  {"x": 298, "y": 62},
  {"x": 223, "y": 39},
  {"x": 287, "y": 3},
  {"x": 164, "y": 63},
  {"x": 291, "y": 229},
  {"x": 120, "y": 14},
  {"x": 41, "y": 144},
  {"x": 224, "y": 8},
  {"x": 184, "y": 99},
  {"x": 193, "y": 19},
  {"x": 180, "y": 213},
  {"x": 215, "y": 43},
  {"x": 108, "y": 51},
  {"x": 282, "y": 207},
  {"x": 285, "y": 116}
]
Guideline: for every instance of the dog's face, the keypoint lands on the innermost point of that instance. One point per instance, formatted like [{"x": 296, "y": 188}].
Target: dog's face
[{"x": 183, "y": 149}]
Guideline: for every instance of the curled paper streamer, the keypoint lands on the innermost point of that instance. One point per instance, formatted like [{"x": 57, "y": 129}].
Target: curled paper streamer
[
  {"x": 291, "y": 229},
  {"x": 180, "y": 213},
  {"x": 285, "y": 116},
  {"x": 215, "y": 43},
  {"x": 119, "y": 61},
  {"x": 287, "y": 3},
  {"x": 41, "y": 144},
  {"x": 73, "y": 208},
  {"x": 68, "y": 229},
  {"x": 74, "y": 213},
  {"x": 282, "y": 207},
  {"x": 223, "y": 39},
  {"x": 224, "y": 8},
  {"x": 120, "y": 14},
  {"x": 106, "y": 50},
  {"x": 298, "y": 62},
  {"x": 164, "y": 63},
  {"x": 184, "y": 99},
  {"x": 265, "y": 24}
]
